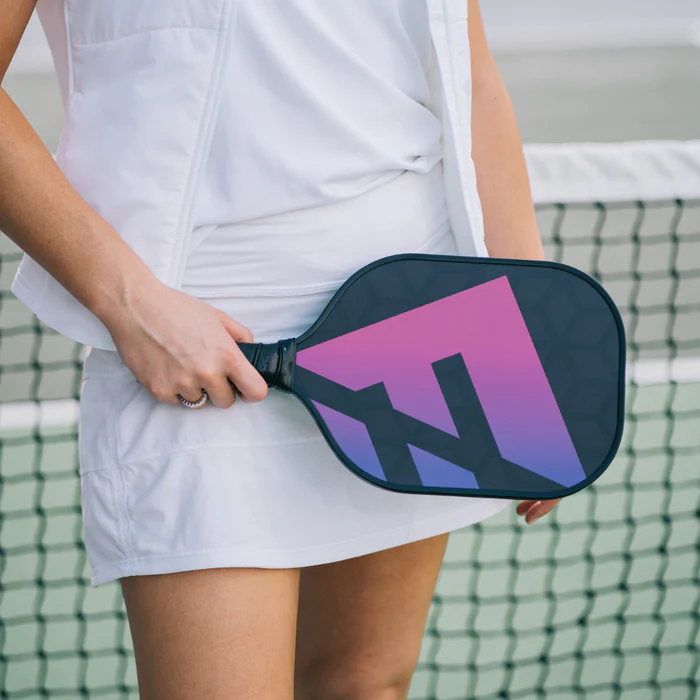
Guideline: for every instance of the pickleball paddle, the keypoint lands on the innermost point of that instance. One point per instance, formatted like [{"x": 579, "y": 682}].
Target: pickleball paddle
[{"x": 467, "y": 376}]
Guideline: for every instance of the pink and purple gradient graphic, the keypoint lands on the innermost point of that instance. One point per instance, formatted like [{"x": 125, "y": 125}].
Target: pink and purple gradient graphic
[
  {"x": 353, "y": 438},
  {"x": 436, "y": 471},
  {"x": 485, "y": 326}
]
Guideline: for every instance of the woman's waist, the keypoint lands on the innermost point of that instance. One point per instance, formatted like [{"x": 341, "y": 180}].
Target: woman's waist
[
  {"x": 276, "y": 312},
  {"x": 320, "y": 246}
]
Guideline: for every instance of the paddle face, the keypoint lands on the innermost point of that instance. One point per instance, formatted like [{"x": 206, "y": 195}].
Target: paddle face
[{"x": 468, "y": 376}]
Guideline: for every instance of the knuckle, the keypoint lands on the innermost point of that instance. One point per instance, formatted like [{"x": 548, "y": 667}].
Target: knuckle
[
  {"x": 232, "y": 358},
  {"x": 153, "y": 386},
  {"x": 191, "y": 391},
  {"x": 238, "y": 367},
  {"x": 227, "y": 402},
  {"x": 183, "y": 382},
  {"x": 236, "y": 359},
  {"x": 259, "y": 392},
  {"x": 206, "y": 374},
  {"x": 160, "y": 393}
]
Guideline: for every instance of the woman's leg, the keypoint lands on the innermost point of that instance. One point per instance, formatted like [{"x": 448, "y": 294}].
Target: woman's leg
[
  {"x": 361, "y": 623},
  {"x": 214, "y": 633}
]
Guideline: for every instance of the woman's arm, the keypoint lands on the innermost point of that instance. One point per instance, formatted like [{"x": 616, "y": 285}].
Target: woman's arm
[
  {"x": 504, "y": 189},
  {"x": 39, "y": 209},
  {"x": 510, "y": 227},
  {"x": 172, "y": 342}
]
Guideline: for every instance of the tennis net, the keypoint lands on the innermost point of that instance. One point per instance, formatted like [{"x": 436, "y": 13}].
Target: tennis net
[{"x": 599, "y": 599}]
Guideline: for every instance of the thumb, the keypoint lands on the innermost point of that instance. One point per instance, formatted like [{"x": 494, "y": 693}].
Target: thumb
[{"x": 236, "y": 330}]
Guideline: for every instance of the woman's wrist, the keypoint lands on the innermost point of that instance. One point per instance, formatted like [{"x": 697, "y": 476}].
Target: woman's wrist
[
  {"x": 517, "y": 244},
  {"x": 115, "y": 291}
]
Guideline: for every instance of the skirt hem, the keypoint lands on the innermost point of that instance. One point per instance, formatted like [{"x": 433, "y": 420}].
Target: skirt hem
[{"x": 295, "y": 558}]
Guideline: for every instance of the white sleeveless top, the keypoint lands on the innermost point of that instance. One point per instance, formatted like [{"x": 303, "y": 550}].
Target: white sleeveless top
[
  {"x": 336, "y": 166},
  {"x": 323, "y": 100},
  {"x": 173, "y": 59},
  {"x": 323, "y": 158}
]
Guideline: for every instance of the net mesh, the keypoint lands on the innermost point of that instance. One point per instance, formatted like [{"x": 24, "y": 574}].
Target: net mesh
[{"x": 600, "y": 599}]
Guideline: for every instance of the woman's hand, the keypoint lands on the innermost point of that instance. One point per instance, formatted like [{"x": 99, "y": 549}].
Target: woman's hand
[
  {"x": 174, "y": 343},
  {"x": 533, "y": 510}
]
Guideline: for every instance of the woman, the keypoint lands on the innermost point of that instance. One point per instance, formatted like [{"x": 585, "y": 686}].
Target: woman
[{"x": 223, "y": 167}]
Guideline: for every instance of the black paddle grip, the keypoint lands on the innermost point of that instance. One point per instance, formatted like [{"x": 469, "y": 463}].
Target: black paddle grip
[{"x": 274, "y": 361}]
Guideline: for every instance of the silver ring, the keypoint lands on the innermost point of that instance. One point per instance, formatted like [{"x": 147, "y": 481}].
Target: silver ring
[{"x": 194, "y": 404}]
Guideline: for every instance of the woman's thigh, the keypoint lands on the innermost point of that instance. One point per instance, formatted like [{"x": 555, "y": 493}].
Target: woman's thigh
[
  {"x": 361, "y": 622},
  {"x": 214, "y": 633}
]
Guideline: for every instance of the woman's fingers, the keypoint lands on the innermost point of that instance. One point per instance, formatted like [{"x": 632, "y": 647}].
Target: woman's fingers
[
  {"x": 194, "y": 395},
  {"x": 220, "y": 392},
  {"x": 243, "y": 379},
  {"x": 523, "y": 507},
  {"x": 223, "y": 377},
  {"x": 174, "y": 343},
  {"x": 236, "y": 330},
  {"x": 248, "y": 382},
  {"x": 533, "y": 510},
  {"x": 226, "y": 375}
]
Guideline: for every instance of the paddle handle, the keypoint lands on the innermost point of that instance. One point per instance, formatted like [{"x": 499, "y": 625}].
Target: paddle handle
[{"x": 275, "y": 361}]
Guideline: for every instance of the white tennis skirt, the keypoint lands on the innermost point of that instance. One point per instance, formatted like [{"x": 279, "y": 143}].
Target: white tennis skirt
[{"x": 165, "y": 488}]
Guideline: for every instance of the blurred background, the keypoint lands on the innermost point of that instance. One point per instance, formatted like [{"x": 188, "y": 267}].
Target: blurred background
[
  {"x": 601, "y": 599},
  {"x": 577, "y": 70}
]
